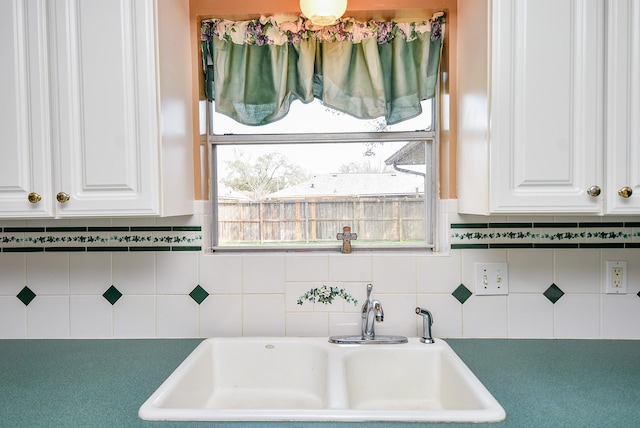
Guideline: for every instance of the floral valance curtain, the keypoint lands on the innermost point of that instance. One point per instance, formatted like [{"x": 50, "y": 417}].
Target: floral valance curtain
[{"x": 255, "y": 69}]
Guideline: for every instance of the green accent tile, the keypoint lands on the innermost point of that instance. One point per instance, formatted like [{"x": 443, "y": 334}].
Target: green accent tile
[
  {"x": 187, "y": 228},
  {"x": 23, "y": 229},
  {"x": 597, "y": 224},
  {"x": 109, "y": 229},
  {"x": 26, "y": 295},
  {"x": 186, "y": 248},
  {"x": 556, "y": 246},
  {"x": 461, "y": 293},
  {"x": 469, "y": 225},
  {"x": 553, "y": 293},
  {"x": 159, "y": 248},
  {"x": 67, "y": 229},
  {"x": 502, "y": 246},
  {"x": 469, "y": 246},
  {"x": 107, "y": 249},
  {"x": 23, "y": 250},
  {"x": 550, "y": 225},
  {"x": 112, "y": 295},
  {"x": 65, "y": 249},
  {"x": 151, "y": 228},
  {"x": 510, "y": 225},
  {"x": 199, "y": 294},
  {"x": 602, "y": 245}
]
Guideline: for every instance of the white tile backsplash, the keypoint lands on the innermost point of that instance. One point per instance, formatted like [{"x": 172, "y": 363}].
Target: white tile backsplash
[
  {"x": 134, "y": 273},
  {"x": 177, "y": 316},
  {"x": 620, "y": 316},
  {"x": 307, "y": 268},
  {"x": 13, "y": 318},
  {"x": 221, "y": 273},
  {"x": 394, "y": 273},
  {"x": 263, "y": 315},
  {"x": 485, "y": 316},
  {"x": 438, "y": 274},
  {"x": 12, "y": 273},
  {"x": 221, "y": 315},
  {"x": 48, "y": 317},
  {"x": 350, "y": 267},
  {"x": 89, "y": 273},
  {"x": 48, "y": 273},
  {"x": 577, "y": 316},
  {"x": 90, "y": 317},
  {"x": 134, "y": 316},
  {"x": 256, "y": 294},
  {"x": 262, "y": 274},
  {"x": 308, "y": 324},
  {"x": 530, "y": 315},
  {"x": 578, "y": 270},
  {"x": 530, "y": 271},
  {"x": 176, "y": 273}
]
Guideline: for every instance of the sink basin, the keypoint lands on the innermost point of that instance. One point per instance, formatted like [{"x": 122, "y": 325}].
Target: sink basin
[{"x": 310, "y": 379}]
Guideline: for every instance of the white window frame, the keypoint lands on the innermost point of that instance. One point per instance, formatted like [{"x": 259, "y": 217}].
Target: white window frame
[{"x": 430, "y": 137}]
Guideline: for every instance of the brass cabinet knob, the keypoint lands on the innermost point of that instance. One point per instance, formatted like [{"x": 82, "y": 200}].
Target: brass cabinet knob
[
  {"x": 593, "y": 191},
  {"x": 625, "y": 192},
  {"x": 34, "y": 197},
  {"x": 62, "y": 197}
]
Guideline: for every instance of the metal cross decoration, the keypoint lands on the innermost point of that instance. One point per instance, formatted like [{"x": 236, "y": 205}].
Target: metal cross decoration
[{"x": 346, "y": 236}]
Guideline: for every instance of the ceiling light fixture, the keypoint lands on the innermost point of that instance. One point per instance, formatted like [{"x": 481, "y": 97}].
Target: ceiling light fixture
[{"x": 323, "y": 12}]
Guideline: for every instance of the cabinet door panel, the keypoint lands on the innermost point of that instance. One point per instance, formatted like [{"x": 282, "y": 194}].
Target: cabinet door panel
[
  {"x": 623, "y": 106},
  {"x": 24, "y": 104},
  {"x": 546, "y": 118},
  {"x": 107, "y": 135}
]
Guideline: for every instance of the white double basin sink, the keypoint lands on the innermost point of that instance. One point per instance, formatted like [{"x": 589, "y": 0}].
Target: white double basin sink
[{"x": 310, "y": 379}]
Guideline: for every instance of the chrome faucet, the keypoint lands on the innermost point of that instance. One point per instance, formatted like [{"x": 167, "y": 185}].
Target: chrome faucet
[
  {"x": 427, "y": 320},
  {"x": 371, "y": 312}
]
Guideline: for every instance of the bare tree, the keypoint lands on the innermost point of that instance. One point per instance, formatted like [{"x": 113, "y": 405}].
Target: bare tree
[{"x": 267, "y": 174}]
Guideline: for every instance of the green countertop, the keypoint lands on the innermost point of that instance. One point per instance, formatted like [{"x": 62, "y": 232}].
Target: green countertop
[{"x": 102, "y": 383}]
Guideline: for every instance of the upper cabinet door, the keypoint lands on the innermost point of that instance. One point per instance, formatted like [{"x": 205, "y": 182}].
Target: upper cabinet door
[
  {"x": 105, "y": 109},
  {"x": 546, "y": 105},
  {"x": 623, "y": 107},
  {"x": 24, "y": 110}
]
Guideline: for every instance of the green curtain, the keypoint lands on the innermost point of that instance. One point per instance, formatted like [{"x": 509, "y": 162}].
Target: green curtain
[{"x": 255, "y": 69}]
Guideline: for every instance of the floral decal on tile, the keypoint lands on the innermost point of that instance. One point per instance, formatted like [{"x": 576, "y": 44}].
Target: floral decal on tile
[{"x": 326, "y": 295}]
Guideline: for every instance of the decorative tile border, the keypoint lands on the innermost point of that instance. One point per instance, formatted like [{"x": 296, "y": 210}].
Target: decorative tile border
[
  {"x": 108, "y": 238},
  {"x": 545, "y": 235}
]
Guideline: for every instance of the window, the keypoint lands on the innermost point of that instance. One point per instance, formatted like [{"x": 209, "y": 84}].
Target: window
[{"x": 295, "y": 183}]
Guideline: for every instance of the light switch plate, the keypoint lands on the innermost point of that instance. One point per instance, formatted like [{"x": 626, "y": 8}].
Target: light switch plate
[{"x": 492, "y": 279}]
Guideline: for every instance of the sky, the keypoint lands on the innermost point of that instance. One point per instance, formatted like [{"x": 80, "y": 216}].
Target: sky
[{"x": 314, "y": 118}]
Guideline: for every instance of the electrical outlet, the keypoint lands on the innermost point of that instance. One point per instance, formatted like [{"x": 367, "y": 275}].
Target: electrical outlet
[
  {"x": 492, "y": 279},
  {"x": 616, "y": 277}
]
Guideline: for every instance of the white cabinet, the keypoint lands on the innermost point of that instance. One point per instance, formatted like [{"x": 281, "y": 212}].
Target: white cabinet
[
  {"x": 533, "y": 102},
  {"x": 120, "y": 109},
  {"x": 25, "y": 165},
  {"x": 623, "y": 107}
]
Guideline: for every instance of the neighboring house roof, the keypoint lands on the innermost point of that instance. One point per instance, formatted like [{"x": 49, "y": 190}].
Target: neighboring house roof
[
  {"x": 228, "y": 193},
  {"x": 410, "y": 154},
  {"x": 354, "y": 185}
]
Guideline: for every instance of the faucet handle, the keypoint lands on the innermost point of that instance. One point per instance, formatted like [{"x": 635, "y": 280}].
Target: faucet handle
[{"x": 427, "y": 321}]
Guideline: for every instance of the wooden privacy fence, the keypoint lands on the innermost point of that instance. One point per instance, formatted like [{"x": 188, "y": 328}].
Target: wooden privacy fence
[{"x": 386, "y": 219}]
